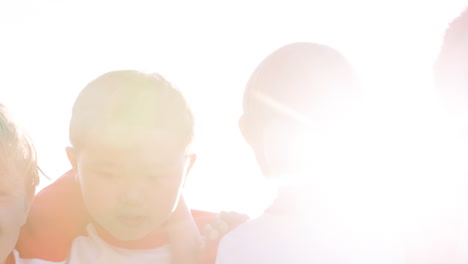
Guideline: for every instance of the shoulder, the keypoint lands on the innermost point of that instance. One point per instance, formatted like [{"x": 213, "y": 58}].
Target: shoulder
[
  {"x": 202, "y": 219},
  {"x": 232, "y": 246},
  {"x": 265, "y": 239},
  {"x": 241, "y": 233},
  {"x": 235, "y": 246},
  {"x": 256, "y": 227}
]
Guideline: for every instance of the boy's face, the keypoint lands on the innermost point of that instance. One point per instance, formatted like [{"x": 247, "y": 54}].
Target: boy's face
[
  {"x": 130, "y": 188},
  {"x": 14, "y": 207}
]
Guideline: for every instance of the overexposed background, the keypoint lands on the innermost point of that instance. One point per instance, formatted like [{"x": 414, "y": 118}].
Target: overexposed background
[{"x": 50, "y": 49}]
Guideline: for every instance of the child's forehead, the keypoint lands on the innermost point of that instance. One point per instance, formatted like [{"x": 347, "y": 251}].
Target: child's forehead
[
  {"x": 120, "y": 141},
  {"x": 130, "y": 99},
  {"x": 106, "y": 157},
  {"x": 120, "y": 135}
]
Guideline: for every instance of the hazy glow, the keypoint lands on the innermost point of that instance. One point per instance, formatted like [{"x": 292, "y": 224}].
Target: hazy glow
[{"x": 51, "y": 49}]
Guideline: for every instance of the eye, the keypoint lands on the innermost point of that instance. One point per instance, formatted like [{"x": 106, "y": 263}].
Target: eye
[
  {"x": 4, "y": 194},
  {"x": 155, "y": 176},
  {"x": 159, "y": 176},
  {"x": 108, "y": 175}
]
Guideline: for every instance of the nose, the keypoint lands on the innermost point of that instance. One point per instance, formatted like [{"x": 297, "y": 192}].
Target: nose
[{"x": 132, "y": 194}]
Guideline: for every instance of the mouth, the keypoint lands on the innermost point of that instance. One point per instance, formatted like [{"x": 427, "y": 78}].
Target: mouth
[{"x": 132, "y": 220}]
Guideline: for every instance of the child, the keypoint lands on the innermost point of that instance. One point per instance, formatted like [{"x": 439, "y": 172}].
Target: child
[
  {"x": 19, "y": 178},
  {"x": 130, "y": 136}
]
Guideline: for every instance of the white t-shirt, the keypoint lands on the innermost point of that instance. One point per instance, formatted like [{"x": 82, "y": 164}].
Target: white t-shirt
[
  {"x": 19, "y": 260},
  {"x": 462, "y": 245},
  {"x": 299, "y": 239}
]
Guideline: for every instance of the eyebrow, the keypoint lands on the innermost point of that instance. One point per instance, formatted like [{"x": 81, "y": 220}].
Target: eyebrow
[{"x": 101, "y": 164}]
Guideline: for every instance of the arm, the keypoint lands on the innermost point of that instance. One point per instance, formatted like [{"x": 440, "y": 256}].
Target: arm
[{"x": 185, "y": 239}]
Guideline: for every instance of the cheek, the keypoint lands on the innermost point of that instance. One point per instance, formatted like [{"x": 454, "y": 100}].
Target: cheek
[
  {"x": 12, "y": 217},
  {"x": 14, "y": 212},
  {"x": 165, "y": 197},
  {"x": 99, "y": 198}
]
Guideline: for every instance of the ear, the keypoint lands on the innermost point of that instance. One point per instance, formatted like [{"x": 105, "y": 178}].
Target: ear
[
  {"x": 251, "y": 135},
  {"x": 188, "y": 165},
  {"x": 71, "y": 154},
  {"x": 190, "y": 161},
  {"x": 244, "y": 131}
]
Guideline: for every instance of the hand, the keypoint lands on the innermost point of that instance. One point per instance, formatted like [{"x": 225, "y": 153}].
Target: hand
[{"x": 222, "y": 224}]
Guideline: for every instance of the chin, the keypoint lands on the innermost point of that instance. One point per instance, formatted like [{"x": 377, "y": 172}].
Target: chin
[{"x": 129, "y": 235}]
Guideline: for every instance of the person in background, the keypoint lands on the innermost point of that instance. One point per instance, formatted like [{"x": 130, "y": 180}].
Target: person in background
[
  {"x": 297, "y": 111},
  {"x": 451, "y": 79}
]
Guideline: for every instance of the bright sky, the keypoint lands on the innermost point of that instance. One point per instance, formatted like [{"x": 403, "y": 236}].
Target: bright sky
[{"x": 50, "y": 49}]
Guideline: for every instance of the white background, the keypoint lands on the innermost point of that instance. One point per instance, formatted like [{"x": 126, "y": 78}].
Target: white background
[{"x": 49, "y": 50}]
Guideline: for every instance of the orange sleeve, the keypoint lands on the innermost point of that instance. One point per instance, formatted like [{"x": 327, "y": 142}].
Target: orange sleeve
[{"x": 56, "y": 217}]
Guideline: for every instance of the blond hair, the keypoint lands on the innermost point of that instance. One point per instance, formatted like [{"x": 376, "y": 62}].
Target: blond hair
[
  {"x": 17, "y": 153},
  {"x": 133, "y": 100}
]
